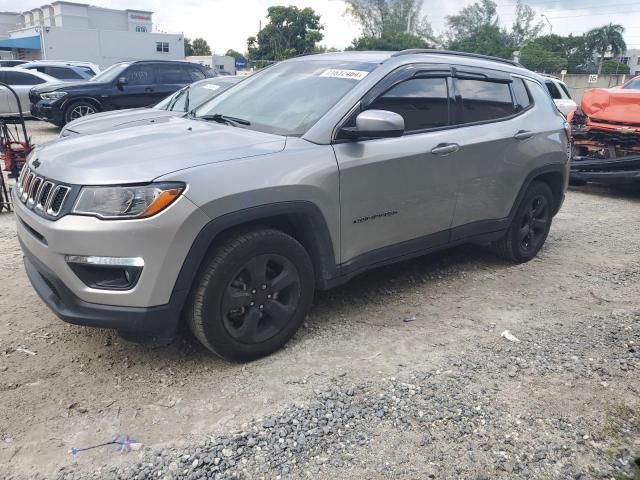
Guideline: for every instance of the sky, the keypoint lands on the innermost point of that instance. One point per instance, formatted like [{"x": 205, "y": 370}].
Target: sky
[{"x": 227, "y": 23}]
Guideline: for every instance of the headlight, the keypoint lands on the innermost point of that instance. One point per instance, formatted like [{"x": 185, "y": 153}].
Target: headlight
[
  {"x": 52, "y": 95},
  {"x": 127, "y": 201}
]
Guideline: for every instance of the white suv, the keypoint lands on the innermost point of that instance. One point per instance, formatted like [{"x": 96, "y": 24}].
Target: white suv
[{"x": 560, "y": 94}]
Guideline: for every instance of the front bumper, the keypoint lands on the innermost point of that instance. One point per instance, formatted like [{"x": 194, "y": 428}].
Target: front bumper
[
  {"x": 158, "y": 323},
  {"x": 617, "y": 170},
  {"x": 163, "y": 241},
  {"x": 46, "y": 111}
]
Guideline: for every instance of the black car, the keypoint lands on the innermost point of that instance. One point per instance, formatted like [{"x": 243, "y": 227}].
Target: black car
[{"x": 122, "y": 85}]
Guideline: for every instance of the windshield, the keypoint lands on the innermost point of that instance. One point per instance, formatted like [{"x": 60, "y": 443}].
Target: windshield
[
  {"x": 633, "y": 84},
  {"x": 290, "y": 97},
  {"x": 198, "y": 93},
  {"x": 111, "y": 73}
]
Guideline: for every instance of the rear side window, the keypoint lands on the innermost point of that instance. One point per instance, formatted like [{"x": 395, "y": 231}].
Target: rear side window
[
  {"x": 196, "y": 74},
  {"x": 20, "y": 78},
  {"x": 565, "y": 89},
  {"x": 520, "y": 94},
  {"x": 422, "y": 102},
  {"x": 483, "y": 100},
  {"x": 63, "y": 73},
  {"x": 173, "y": 74},
  {"x": 553, "y": 90}
]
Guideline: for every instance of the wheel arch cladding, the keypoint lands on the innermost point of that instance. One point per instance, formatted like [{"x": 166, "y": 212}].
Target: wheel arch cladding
[
  {"x": 302, "y": 220},
  {"x": 554, "y": 175}
]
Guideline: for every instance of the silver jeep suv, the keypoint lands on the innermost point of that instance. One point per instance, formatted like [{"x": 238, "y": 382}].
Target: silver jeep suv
[{"x": 302, "y": 176}]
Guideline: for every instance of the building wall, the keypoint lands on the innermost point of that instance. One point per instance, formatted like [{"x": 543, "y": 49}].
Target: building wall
[
  {"x": 578, "y": 84},
  {"x": 105, "y": 47},
  {"x": 8, "y": 22}
]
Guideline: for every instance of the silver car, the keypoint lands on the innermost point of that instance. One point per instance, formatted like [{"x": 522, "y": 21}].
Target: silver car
[
  {"x": 299, "y": 178},
  {"x": 176, "y": 104},
  {"x": 21, "y": 81}
]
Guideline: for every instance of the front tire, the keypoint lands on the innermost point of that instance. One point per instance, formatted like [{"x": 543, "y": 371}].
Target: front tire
[
  {"x": 530, "y": 225},
  {"x": 79, "y": 109},
  {"x": 253, "y": 294}
]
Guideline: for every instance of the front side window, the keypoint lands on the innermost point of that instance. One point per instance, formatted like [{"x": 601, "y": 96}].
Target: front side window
[
  {"x": 140, "y": 75},
  {"x": 484, "y": 100},
  {"x": 290, "y": 97},
  {"x": 422, "y": 102}
]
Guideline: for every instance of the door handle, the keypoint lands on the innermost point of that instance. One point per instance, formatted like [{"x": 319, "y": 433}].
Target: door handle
[
  {"x": 148, "y": 89},
  {"x": 523, "y": 135},
  {"x": 445, "y": 148}
]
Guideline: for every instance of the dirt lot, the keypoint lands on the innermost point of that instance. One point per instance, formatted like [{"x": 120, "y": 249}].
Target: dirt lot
[{"x": 402, "y": 373}]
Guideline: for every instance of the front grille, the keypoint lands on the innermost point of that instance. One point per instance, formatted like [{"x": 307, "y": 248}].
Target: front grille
[{"x": 45, "y": 196}]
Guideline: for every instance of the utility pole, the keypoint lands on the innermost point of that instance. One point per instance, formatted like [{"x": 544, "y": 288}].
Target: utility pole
[{"x": 548, "y": 23}]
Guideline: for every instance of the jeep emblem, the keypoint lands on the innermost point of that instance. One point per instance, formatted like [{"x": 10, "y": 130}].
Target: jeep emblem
[{"x": 36, "y": 163}]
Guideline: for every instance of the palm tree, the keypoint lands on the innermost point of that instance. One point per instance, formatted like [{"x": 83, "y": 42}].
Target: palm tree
[{"x": 607, "y": 38}]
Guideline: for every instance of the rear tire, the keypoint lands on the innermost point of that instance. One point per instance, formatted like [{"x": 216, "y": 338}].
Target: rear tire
[
  {"x": 530, "y": 225},
  {"x": 253, "y": 294}
]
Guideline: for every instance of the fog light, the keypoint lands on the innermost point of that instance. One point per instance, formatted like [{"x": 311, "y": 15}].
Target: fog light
[
  {"x": 106, "y": 261},
  {"x": 106, "y": 273}
]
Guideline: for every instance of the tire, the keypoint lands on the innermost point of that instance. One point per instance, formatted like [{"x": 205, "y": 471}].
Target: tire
[
  {"x": 252, "y": 295},
  {"x": 524, "y": 238},
  {"x": 75, "y": 110}
]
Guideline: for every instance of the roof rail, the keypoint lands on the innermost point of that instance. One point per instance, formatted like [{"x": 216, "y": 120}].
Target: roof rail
[{"x": 413, "y": 51}]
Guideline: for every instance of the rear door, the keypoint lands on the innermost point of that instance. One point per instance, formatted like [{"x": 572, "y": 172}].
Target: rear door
[
  {"x": 140, "y": 90},
  {"x": 397, "y": 195},
  {"x": 21, "y": 82},
  {"x": 494, "y": 132},
  {"x": 171, "y": 78}
]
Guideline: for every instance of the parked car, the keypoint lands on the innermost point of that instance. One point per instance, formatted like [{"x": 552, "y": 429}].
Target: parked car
[
  {"x": 64, "y": 72},
  {"x": 300, "y": 177},
  {"x": 560, "y": 94},
  {"x": 123, "y": 85},
  {"x": 633, "y": 84},
  {"x": 606, "y": 137},
  {"x": 11, "y": 63},
  {"x": 177, "y": 104},
  {"x": 21, "y": 81}
]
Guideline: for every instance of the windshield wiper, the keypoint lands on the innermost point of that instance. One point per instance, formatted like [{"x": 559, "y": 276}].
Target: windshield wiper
[{"x": 217, "y": 117}]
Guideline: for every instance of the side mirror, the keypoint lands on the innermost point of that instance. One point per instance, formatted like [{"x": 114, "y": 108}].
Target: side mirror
[
  {"x": 122, "y": 81},
  {"x": 376, "y": 124}
]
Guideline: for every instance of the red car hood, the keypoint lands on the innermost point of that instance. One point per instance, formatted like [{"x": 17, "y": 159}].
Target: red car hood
[{"x": 612, "y": 105}]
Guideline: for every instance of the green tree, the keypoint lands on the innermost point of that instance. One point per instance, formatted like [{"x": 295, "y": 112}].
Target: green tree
[
  {"x": 573, "y": 49},
  {"x": 291, "y": 31},
  {"x": 235, "y": 54},
  {"x": 390, "y": 24},
  {"x": 389, "y": 42},
  {"x": 536, "y": 58},
  {"x": 486, "y": 40},
  {"x": 188, "y": 47},
  {"x": 525, "y": 27},
  {"x": 608, "y": 38},
  {"x": 615, "y": 67},
  {"x": 200, "y": 47},
  {"x": 481, "y": 16}
]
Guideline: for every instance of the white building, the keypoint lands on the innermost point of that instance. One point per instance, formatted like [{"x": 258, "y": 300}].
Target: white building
[
  {"x": 75, "y": 31},
  {"x": 219, "y": 63},
  {"x": 632, "y": 58}
]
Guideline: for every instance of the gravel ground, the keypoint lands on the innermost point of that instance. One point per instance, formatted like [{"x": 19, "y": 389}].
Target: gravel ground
[{"x": 402, "y": 373}]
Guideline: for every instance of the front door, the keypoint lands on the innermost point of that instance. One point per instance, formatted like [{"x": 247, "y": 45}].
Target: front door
[
  {"x": 397, "y": 195},
  {"x": 139, "y": 90}
]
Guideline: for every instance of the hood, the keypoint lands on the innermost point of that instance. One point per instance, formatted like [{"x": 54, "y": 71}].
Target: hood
[
  {"x": 612, "y": 105},
  {"x": 114, "y": 120},
  {"x": 70, "y": 86},
  {"x": 141, "y": 154}
]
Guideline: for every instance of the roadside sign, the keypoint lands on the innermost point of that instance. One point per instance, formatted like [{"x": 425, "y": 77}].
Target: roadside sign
[
  {"x": 593, "y": 78},
  {"x": 240, "y": 63}
]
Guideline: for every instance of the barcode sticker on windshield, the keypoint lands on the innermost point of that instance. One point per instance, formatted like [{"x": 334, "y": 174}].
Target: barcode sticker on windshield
[
  {"x": 211, "y": 87},
  {"x": 348, "y": 74}
]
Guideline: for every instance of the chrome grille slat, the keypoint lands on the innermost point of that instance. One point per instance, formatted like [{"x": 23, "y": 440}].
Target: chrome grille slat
[{"x": 43, "y": 195}]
